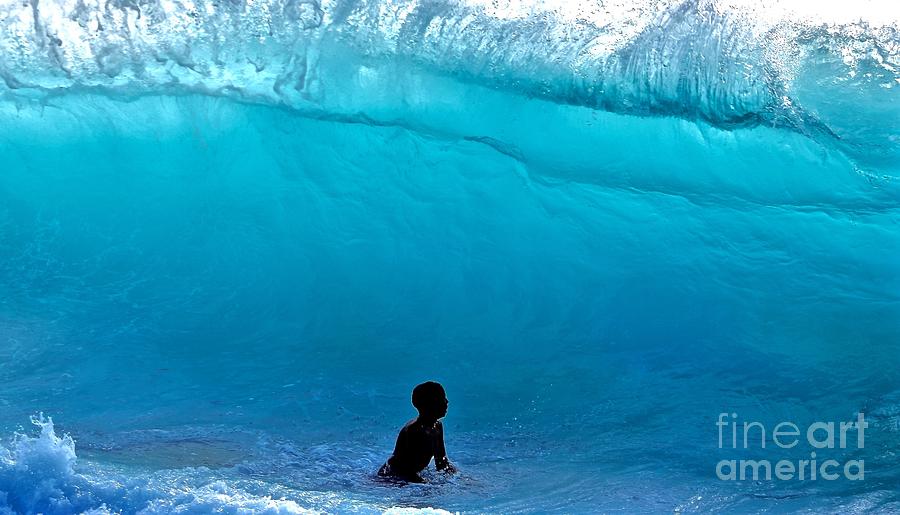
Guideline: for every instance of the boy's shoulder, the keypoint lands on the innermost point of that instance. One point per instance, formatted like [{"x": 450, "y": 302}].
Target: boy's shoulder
[
  {"x": 415, "y": 426},
  {"x": 410, "y": 425}
]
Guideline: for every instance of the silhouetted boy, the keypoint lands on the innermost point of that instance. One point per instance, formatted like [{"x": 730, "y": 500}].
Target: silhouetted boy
[{"x": 421, "y": 438}]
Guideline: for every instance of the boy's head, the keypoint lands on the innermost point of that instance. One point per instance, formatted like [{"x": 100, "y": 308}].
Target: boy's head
[{"x": 430, "y": 399}]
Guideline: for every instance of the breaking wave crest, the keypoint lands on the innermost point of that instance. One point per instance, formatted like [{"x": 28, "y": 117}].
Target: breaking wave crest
[{"x": 728, "y": 63}]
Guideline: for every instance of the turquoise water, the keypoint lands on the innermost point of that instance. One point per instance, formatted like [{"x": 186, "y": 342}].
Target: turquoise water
[{"x": 233, "y": 236}]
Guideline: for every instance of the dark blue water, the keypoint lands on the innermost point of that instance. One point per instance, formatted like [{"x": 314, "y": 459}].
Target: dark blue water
[{"x": 233, "y": 236}]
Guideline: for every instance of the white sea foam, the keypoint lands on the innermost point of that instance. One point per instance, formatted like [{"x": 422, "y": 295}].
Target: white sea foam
[{"x": 41, "y": 474}]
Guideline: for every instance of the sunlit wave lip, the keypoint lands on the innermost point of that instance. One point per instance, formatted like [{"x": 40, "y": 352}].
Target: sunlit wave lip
[
  {"x": 873, "y": 12},
  {"x": 732, "y": 63}
]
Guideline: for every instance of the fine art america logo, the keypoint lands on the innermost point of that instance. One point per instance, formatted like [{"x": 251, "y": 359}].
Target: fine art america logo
[{"x": 818, "y": 437}]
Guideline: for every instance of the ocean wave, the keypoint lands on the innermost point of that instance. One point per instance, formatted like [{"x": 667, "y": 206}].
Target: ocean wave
[{"x": 266, "y": 219}]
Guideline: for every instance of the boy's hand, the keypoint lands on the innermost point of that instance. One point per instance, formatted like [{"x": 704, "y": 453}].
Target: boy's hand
[{"x": 445, "y": 466}]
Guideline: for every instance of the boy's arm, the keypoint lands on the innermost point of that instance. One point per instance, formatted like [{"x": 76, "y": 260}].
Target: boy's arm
[
  {"x": 400, "y": 448},
  {"x": 440, "y": 453}
]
